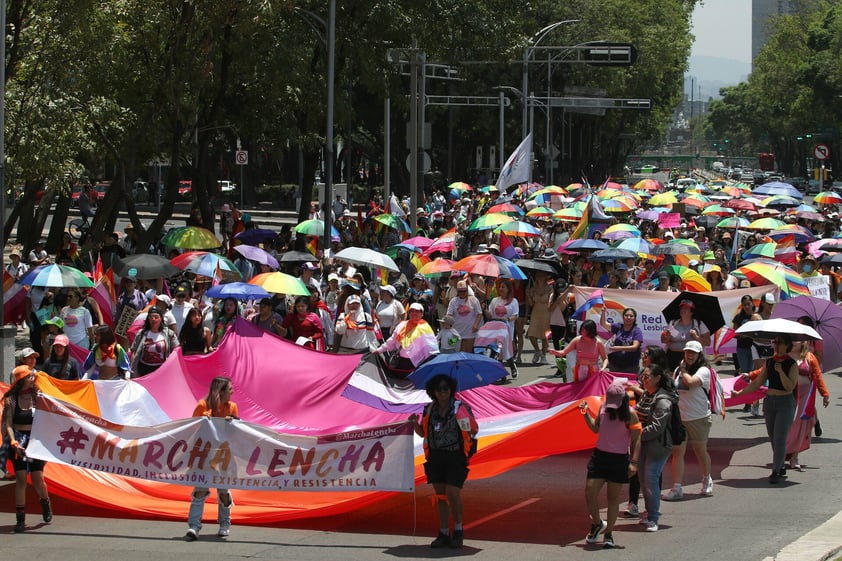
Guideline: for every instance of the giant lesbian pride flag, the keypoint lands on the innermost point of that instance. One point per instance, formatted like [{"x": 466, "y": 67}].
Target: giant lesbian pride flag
[{"x": 293, "y": 390}]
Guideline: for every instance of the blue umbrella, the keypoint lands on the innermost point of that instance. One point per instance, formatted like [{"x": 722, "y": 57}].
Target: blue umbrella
[
  {"x": 238, "y": 291},
  {"x": 256, "y": 235},
  {"x": 778, "y": 188},
  {"x": 469, "y": 370}
]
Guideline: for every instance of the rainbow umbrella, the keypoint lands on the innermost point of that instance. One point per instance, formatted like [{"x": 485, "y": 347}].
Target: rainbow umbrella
[
  {"x": 518, "y": 229},
  {"x": 460, "y": 186},
  {"x": 618, "y": 205},
  {"x": 648, "y": 185},
  {"x": 766, "y": 271},
  {"x": 691, "y": 280},
  {"x": 718, "y": 210},
  {"x": 642, "y": 247},
  {"x": 489, "y": 265},
  {"x": 485, "y": 189},
  {"x": 314, "y": 227},
  {"x": 621, "y": 231},
  {"x": 734, "y": 191},
  {"x": 206, "y": 264},
  {"x": 766, "y": 224},
  {"x": 828, "y": 198},
  {"x": 784, "y": 201},
  {"x": 802, "y": 234},
  {"x": 417, "y": 258},
  {"x": 549, "y": 190},
  {"x": 56, "y": 276},
  {"x": 418, "y": 241},
  {"x": 506, "y": 208},
  {"x": 280, "y": 283},
  {"x": 392, "y": 221},
  {"x": 610, "y": 193},
  {"x": 570, "y": 214},
  {"x": 695, "y": 203},
  {"x": 663, "y": 199},
  {"x": 444, "y": 243},
  {"x": 489, "y": 221},
  {"x": 438, "y": 267},
  {"x": 238, "y": 291},
  {"x": 191, "y": 237},
  {"x": 540, "y": 212},
  {"x": 553, "y": 200},
  {"x": 760, "y": 250}
]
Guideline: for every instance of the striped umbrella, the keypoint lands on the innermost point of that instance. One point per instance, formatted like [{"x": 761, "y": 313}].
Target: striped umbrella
[
  {"x": 642, "y": 247},
  {"x": 663, "y": 199},
  {"x": 648, "y": 185},
  {"x": 490, "y": 221},
  {"x": 766, "y": 271},
  {"x": 280, "y": 283},
  {"x": 518, "y": 229},
  {"x": 540, "y": 212},
  {"x": 314, "y": 227},
  {"x": 828, "y": 198},
  {"x": 621, "y": 231},
  {"x": 438, "y": 267},
  {"x": 506, "y": 208},
  {"x": 460, "y": 186},
  {"x": 569, "y": 214},
  {"x": 691, "y": 280},
  {"x": 760, "y": 250},
  {"x": 56, "y": 276},
  {"x": 718, "y": 210},
  {"x": 206, "y": 264},
  {"x": 489, "y": 265},
  {"x": 393, "y": 221},
  {"x": 802, "y": 234},
  {"x": 766, "y": 224},
  {"x": 444, "y": 243}
]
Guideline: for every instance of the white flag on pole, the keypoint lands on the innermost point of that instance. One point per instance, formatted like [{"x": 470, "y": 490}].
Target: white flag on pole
[{"x": 516, "y": 169}]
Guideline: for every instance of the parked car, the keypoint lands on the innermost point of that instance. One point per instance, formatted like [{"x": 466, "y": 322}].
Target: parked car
[
  {"x": 224, "y": 186},
  {"x": 813, "y": 187},
  {"x": 185, "y": 189}
]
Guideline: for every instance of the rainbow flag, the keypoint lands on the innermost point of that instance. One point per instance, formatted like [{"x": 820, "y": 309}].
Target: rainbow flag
[
  {"x": 313, "y": 245},
  {"x": 786, "y": 252},
  {"x": 595, "y": 300},
  {"x": 14, "y": 300},
  {"x": 581, "y": 231}
]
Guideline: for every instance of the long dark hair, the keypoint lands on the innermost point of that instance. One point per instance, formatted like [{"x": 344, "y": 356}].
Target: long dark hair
[
  {"x": 434, "y": 382},
  {"x": 701, "y": 360},
  {"x": 666, "y": 382},
  {"x": 217, "y": 385},
  {"x": 623, "y": 412},
  {"x": 657, "y": 355},
  {"x": 189, "y": 332}
]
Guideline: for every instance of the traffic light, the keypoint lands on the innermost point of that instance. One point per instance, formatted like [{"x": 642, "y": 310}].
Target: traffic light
[
  {"x": 808, "y": 136},
  {"x": 799, "y": 138}
]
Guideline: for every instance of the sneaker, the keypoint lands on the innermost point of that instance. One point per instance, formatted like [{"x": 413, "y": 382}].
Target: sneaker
[
  {"x": 536, "y": 358},
  {"x": 631, "y": 511},
  {"x": 755, "y": 409},
  {"x": 514, "y": 371},
  {"x": 707, "y": 486},
  {"x": 442, "y": 540},
  {"x": 596, "y": 531},
  {"x": 191, "y": 535},
  {"x": 224, "y": 532},
  {"x": 542, "y": 359},
  {"x": 644, "y": 519},
  {"x": 675, "y": 494},
  {"x": 608, "y": 541},
  {"x": 775, "y": 478},
  {"x": 651, "y": 526},
  {"x": 457, "y": 539}
]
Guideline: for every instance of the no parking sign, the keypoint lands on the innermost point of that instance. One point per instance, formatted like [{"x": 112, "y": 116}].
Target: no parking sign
[
  {"x": 241, "y": 157},
  {"x": 821, "y": 151}
]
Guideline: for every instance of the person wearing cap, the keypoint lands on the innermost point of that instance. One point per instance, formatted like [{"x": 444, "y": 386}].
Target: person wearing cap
[
  {"x": 164, "y": 303},
  {"x": 78, "y": 322},
  {"x": 467, "y": 311},
  {"x": 153, "y": 344},
  {"x": 614, "y": 459},
  {"x": 268, "y": 319},
  {"x": 505, "y": 308},
  {"x": 664, "y": 282},
  {"x": 181, "y": 305},
  {"x": 413, "y": 338},
  {"x": 355, "y": 327},
  {"x": 60, "y": 364},
  {"x": 18, "y": 409},
  {"x": 448, "y": 338},
  {"x": 714, "y": 275},
  {"x": 419, "y": 291},
  {"x": 692, "y": 380},
  {"x": 808, "y": 266},
  {"x": 388, "y": 312},
  {"x": 51, "y": 328},
  {"x": 623, "y": 279},
  {"x": 681, "y": 330},
  {"x": 307, "y": 275},
  {"x": 16, "y": 268}
]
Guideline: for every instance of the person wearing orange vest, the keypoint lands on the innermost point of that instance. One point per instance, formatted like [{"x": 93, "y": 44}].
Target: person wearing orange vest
[{"x": 448, "y": 427}]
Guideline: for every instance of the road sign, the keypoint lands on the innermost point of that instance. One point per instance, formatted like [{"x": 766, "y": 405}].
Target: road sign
[
  {"x": 241, "y": 157},
  {"x": 821, "y": 151}
]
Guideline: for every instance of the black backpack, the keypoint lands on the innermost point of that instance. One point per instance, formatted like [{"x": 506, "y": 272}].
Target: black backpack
[{"x": 676, "y": 427}]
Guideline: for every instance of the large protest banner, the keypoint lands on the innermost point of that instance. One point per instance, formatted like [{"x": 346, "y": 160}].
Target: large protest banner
[
  {"x": 650, "y": 303},
  {"x": 213, "y": 452}
]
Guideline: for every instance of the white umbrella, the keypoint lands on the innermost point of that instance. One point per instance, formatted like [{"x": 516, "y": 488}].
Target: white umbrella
[
  {"x": 367, "y": 257},
  {"x": 769, "y": 328}
]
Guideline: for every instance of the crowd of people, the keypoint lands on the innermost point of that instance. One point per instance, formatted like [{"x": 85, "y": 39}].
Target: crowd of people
[{"x": 351, "y": 308}]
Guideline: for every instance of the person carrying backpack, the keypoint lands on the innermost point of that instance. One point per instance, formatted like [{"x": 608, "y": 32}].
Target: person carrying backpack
[
  {"x": 692, "y": 381},
  {"x": 654, "y": 409},
  {"x": 448, "y": 427}
]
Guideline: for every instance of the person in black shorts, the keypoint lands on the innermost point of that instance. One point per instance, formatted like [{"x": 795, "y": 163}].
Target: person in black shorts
[{"x": 448, "y": 427}]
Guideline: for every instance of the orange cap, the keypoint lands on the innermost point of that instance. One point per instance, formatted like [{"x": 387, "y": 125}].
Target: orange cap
[{"x": 21, "y": 372}]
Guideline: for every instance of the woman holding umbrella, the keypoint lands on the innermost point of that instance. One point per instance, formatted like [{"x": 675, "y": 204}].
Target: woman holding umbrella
[
  {"x": 781, "y": 371},
  {"x": 448, "y": 427},
  {"x": 810, "y": 382}
]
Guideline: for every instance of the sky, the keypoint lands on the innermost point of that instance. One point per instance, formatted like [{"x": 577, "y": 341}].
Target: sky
[{"x": 723, "y": 29}]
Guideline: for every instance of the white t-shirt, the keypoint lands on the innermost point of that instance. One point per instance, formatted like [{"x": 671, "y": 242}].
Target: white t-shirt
[
  {"x": 694, "y": 402},
  {"x": 77, "y": 324},
  {"x": 179, "y": 312}
]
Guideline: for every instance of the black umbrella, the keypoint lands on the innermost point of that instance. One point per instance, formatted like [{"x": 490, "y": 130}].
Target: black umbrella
[
  {"x": 145, "y": 266},
  {"x": 612, "y": 254},
  {"x": 707, "y": 309},
  {"x": 297, "y": 257},
  {"x": 256, "y": 235},
  {"x": 535, "y": 265}
]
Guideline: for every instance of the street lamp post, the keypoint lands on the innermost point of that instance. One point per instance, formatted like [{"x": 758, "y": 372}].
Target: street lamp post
[{"x": 331, "y": 43}]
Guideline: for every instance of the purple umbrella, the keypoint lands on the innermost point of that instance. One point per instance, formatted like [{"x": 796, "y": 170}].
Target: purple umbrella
[
  {"x": 256, "y": 235},
  {"x": 257, "y": 254},
  {"x": 828, "y": 319}
]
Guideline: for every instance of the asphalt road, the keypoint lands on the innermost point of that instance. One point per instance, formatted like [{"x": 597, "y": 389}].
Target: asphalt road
[{"x": 536, "y": 511}]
